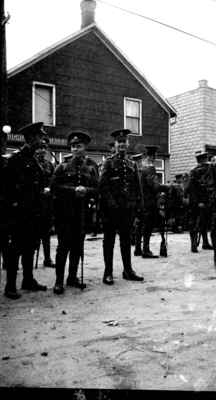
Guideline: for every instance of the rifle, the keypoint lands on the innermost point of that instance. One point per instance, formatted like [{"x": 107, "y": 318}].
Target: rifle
[
  {"x": 163, "y": 226},
  {"x": 37, "y": 253},
  {"x": 164, "y": 240},
  {"x": 197, "y": 230}
]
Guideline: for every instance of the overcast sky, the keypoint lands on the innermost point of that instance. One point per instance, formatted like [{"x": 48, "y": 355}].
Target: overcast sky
[{"x": 171, "y": 61}]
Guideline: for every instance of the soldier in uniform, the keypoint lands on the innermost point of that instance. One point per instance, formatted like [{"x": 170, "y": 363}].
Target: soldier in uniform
[
  {"x": 177, "y": 193},
  {"x": 211, "y": 182},
  {"x": 74, "y": 183},
  {"x": 136, "y": 234},
  {"x": 120, "y": 197},
  {"x": 197, "y": 193},
  {"x": 150, "y": 189},
  {"x": 24, "y": 191},
  {"x": 47, "y": 216}
]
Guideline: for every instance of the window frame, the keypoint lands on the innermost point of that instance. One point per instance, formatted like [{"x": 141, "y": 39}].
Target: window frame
[
  {"x": 50, "y": 85},
  {"x": 161, "y": 170},
  {"x": 140, "y": 117}
]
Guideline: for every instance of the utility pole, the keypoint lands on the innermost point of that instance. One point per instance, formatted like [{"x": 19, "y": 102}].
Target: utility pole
[{"x": 3, "y": 68}]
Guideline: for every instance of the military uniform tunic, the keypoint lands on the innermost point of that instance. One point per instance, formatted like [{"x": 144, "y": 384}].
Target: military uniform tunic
[
  {"x": 24, "y": 191},
  {"x": 120, "y": 198}
]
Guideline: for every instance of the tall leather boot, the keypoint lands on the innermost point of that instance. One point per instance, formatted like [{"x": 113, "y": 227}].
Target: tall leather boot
[
  {"x": 11, "y": 275},
  {"x": 193, "y": 238},
  {"x": 74, "y": 258},
  {"x": 206, "y": 245},
  {"x": 108, "y": 248},
  {"x": 61, "y": 257},
  {"x": 147, "y": 253},
  {"x": 138, "y": 240}
]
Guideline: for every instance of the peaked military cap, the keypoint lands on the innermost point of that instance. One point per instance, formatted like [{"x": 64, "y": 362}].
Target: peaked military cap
[
  {"x": 151, "y": 150},
  {"x": 200, "y": 154},
  {"x": 36, "y": 128},
  {"x": 137, "y": 157},
  {"x": 120, "y": 133},
  {"x": 78, "y": 136},
  {"x": 67, "y": 157}
]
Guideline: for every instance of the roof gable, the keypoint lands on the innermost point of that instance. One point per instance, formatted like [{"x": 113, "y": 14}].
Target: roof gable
[{"x": 112, "y": 48}]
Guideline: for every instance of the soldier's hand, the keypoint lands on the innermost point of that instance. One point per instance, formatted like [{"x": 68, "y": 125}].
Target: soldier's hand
[
  {"x": 80, "y": 191},
  {"x": 46, "y": 190},
  {"x": 201, "y": 205}
]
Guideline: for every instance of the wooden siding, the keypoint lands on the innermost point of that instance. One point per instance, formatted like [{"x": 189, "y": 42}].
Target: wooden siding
[{"x": 91, "y": 84}]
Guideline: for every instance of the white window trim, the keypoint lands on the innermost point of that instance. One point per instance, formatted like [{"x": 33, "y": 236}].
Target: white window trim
[
  {"x": 34, "y": 83},
  {"x": 163, "y": 175},
  {"x": 159, "y": 169},
  {"x": 140, "y": 122}
]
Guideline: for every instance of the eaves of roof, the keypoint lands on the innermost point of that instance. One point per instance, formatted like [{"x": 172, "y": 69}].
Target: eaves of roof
[{"x": 113, "y": 48}]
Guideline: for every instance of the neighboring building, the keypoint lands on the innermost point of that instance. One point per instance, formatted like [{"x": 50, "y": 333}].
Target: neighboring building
[
  {"x": 195, "y": 127},
  {"x": 85, "y": 81}
]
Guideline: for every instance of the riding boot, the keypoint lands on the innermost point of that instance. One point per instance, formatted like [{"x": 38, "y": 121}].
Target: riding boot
[
  {"x": 61, "y": 257},
  {"x": 193, "y": 237},
  {"x": 108, "y": 247},
  {"x": 138, "y": 240},
  {"x": 206, "y": 245},
  {"x": 74, "y": 258}
]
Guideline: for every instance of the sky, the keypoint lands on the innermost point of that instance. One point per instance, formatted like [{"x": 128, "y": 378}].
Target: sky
[{"x": 171, "y": 61}]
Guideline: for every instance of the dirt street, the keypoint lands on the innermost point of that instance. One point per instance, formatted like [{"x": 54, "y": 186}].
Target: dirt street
[{"x": 159, "y": 334}]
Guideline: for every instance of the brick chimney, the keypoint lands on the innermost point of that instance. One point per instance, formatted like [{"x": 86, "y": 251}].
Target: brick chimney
[
  {"x": 203, "y": 83},
  {"x": 87, "y": 12}
]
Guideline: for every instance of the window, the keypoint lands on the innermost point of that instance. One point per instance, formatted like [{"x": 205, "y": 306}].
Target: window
[
  {"x": 133, "y": 115},
  {"x": 43, "y": 103},
  {"x": 159, "y": 165}
]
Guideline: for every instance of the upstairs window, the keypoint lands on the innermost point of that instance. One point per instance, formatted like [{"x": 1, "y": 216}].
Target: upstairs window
[
  {"x": 43, "y": 103},
  {"x": 133, "y": 115}
]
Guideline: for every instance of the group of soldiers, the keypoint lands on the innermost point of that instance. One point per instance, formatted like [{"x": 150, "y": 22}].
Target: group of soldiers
[{"x": 36, "y": 198}]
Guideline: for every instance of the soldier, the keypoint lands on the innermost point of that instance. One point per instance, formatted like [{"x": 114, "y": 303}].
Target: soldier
[
  {"x": 177, "y": 193},
  {"x": 197, "y": 193},
  {"x": 150, "y": 190},
  {"x": 120, "y": 198},
  {"x": 74, "y": 183},
  {"x": 24, "y": 190},
  {"x": 47, "y": 217},
  {"x": 136, "y": 234},
  {"x": 212, "y": 196}
]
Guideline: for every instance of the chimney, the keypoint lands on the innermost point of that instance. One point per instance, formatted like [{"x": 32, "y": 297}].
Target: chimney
[
  {"x": 87, "y": 12},
  {"x": 203, "y": 83}
]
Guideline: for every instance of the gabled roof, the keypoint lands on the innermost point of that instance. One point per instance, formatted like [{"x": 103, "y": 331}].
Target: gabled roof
[{"x": 113, "y": 48}]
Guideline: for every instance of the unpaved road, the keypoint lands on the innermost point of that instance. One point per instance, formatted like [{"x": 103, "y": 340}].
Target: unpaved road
[{"x": 160, "y": 334}]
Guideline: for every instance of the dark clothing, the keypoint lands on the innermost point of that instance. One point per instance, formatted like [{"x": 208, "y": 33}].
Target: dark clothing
[
  {"x": 70, "y": 210},
  {"x": 4, "y": 214},
  {"x": 211, "y": 186},
  {"x": 24, "y": 191},
  {"x": 47, "y": 209},
  {"x": 120, "y": 201},
  {"x": 199, "y": 212},
  {"x": 149, "y": 216},
  {"x": 176, "y": 194}
]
